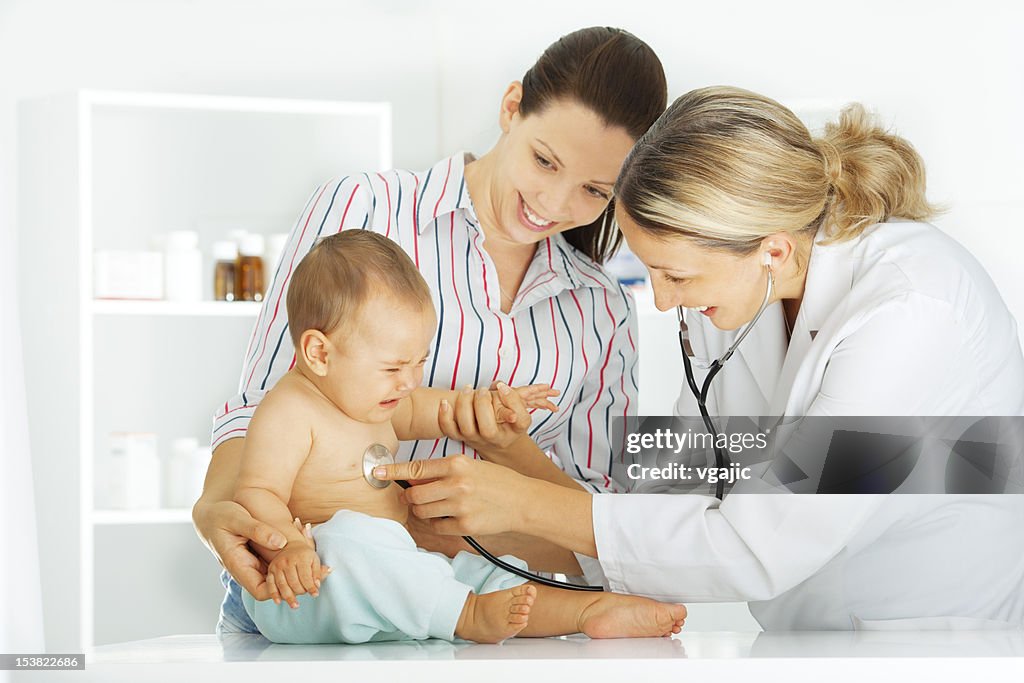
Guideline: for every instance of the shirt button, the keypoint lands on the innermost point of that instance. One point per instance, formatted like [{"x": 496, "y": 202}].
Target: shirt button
[{"x": 505, "y": 352}]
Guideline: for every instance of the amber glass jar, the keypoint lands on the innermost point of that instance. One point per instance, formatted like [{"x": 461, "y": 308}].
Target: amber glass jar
[
  {"x": 225, "y": 254},
  {"x": 249, "y": 269}
]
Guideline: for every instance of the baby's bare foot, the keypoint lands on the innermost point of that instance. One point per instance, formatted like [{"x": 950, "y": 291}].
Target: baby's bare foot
[
  {"x": 629, "y": 616},
  {"x": 493, "y": 617}
]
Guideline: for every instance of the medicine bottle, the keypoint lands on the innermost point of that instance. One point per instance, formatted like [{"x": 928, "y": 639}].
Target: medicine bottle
[
  {"x": 225, "y": 253},
  {"x": 249, "y": 269}
]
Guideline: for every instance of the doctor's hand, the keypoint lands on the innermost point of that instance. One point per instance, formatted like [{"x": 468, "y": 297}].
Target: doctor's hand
[{"x": 460, "y": 496}]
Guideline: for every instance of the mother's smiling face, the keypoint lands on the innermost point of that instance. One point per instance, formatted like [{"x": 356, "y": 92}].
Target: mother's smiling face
[{"x": 555, "y": 169}]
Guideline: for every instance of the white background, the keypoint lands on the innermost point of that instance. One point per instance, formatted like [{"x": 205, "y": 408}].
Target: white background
[{"x": 948, "y": 76}]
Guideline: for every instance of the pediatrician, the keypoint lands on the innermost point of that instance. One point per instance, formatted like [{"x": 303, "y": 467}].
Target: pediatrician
[{"x": 864, "y": 309}]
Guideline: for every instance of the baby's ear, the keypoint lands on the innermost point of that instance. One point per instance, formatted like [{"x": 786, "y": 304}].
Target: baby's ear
[{"x": 313, "y": 348}]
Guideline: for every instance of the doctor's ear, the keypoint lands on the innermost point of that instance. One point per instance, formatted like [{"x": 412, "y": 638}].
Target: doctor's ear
[
  {"x": 510, "y": 102},
  {"x": 314, "y": 347},
  {"x": 777, "y": 250}
]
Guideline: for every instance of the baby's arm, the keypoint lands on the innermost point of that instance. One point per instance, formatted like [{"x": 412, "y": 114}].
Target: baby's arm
[
  {"x": 417, "y": 416},
  {"x": 276, "y": 446}
]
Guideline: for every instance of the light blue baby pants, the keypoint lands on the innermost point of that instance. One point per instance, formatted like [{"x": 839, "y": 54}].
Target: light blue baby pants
[{"x": 382, "y": 587}]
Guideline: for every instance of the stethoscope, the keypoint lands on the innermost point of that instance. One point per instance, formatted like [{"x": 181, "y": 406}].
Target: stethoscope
[
  {"x": 701, "y": 393},
  {"x": 379, "y": 454}
]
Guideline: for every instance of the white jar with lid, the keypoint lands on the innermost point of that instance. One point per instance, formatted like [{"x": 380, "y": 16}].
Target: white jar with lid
[
  {"x": 178, "y": 477},
  {"x": 130, "y": 473},
  {"x": 275, "y": 247},
  {"x": 183, "y": 266}
]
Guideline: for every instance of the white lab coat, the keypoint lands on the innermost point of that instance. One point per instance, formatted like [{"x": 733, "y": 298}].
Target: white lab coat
[{"x": 900, "y": 321}]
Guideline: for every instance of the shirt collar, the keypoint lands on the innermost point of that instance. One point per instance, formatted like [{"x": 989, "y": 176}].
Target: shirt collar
[
  {"x": 829, "y": 279},
  {"x": 443, "y": 191}
]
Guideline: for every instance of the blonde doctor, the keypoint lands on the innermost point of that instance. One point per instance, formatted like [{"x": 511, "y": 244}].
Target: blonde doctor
[{"x": 870, "y": 311}]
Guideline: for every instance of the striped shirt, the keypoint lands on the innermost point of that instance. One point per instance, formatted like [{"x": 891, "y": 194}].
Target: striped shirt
[{"x": 571, "y": 325}]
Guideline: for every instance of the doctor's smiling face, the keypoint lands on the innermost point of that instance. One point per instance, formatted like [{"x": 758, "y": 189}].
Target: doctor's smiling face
[{"x": 730, "y": 286}]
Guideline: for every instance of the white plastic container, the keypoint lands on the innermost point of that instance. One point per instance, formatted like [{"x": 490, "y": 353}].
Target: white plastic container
[
  {"x": 120, "y": 274},
  {"x": 275, "y": 247},
  {"x": 129, "y": 477},
  {"x": 176, "y": 493},
  {"x": 183, "y": 266},
  {"x": 196, "y": 473}
]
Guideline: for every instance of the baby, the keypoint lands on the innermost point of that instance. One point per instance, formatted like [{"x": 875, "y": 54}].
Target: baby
[{"x": 362, "y": 320}]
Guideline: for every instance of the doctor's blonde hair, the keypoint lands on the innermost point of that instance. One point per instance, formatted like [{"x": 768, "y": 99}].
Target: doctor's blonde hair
[{"x": 727, "y": 167}]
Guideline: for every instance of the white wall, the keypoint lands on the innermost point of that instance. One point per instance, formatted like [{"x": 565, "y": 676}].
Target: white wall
[{"x": 947, "y": 76}]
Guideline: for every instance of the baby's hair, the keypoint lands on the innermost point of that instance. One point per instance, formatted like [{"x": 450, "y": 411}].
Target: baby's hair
[{"x": 344, "y": 271}]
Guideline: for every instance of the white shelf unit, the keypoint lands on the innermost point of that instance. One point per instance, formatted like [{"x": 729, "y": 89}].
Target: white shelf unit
[
  {"x": 106, "y": 170},
  {"x": 155, "y": 516},
  {"x": 217, "y": 309}
]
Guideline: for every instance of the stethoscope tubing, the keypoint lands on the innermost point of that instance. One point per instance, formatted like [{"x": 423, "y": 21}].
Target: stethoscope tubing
[
  {"x": 523, "y": 573},
  {"x": 701, "y": 393}
]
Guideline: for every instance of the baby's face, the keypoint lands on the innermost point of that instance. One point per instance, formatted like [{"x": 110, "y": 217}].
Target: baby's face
[{"x": 381, "y": 361}]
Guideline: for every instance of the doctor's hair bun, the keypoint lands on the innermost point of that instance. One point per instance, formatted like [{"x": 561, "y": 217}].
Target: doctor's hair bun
[
  {"x": 727, "y": 167},
  {"x": 341, "y": 273},
  {"x": 876, "y": 175}
]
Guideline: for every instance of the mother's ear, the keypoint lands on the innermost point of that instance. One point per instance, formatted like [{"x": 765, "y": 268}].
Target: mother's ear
[{"x": 510, "y": 103}]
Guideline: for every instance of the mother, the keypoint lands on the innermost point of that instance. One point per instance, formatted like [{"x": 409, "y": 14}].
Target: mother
[
  {"x": 872, "y": 312},
  {"x": 511, "y": 245}
]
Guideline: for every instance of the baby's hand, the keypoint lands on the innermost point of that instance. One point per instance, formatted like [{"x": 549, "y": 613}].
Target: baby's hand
[
  {"x": 295, "y": 570},
  {"x": 496, "y": 418},
  {"x": 535, "y": 396}
]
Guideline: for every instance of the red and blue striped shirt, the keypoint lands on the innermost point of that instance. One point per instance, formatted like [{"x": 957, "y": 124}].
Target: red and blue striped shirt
[{"x": 571, "y": 325}]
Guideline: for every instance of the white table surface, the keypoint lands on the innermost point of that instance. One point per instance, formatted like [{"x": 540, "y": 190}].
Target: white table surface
[{"x": 697, "y": 656}]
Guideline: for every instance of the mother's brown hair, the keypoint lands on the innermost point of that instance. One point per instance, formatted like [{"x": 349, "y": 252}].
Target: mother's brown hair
[{"x": 618, "y": 77}]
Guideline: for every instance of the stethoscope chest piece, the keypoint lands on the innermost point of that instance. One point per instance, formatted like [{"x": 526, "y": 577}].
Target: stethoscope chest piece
[{"x": 375, "y": 455}]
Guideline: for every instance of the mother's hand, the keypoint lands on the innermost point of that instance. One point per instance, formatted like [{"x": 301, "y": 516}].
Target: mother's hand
[
  {"x": 462, "y": 496},
  {"x": 428, "y": 539},
  {"x": 226, "y": 528},
  {"x": 494, "y": 423},
  {"x": 488, "y": 420}
]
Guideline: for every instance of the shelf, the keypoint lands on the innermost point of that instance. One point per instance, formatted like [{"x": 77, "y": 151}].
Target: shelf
[
  {"x": 241, "y": 309},
  {"x": 155, "y": 516},
  {"x": 130, "y": 167}
]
